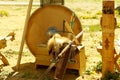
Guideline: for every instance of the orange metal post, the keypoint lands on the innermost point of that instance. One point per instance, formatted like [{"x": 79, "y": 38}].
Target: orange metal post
[{"x": 108, "y": 26}]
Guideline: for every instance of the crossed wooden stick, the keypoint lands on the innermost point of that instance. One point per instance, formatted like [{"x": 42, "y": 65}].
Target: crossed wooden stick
[{"x": 3, "y": 44}]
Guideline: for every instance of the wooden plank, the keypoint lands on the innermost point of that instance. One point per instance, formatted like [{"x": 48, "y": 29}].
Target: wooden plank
[
  {"x": 108, "y": 26},
  {"x": 80, "y": 60},
  {"x": 42, "y": 51},
  {"x": 43, "y": 60}
]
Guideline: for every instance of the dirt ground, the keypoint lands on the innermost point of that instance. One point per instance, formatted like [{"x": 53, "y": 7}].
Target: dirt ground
[{"x": 15, "y": 22}]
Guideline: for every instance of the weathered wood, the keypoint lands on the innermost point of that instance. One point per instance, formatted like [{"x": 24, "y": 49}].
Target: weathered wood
[
  {"x": 99, "y": 49},
  {"x": 4, "y": 60},
  {"x": 54, "y": 17},
  {"x": 3, "y": 44},
  {"x": 60, "y": 59},
  {"x": 117, "y": 56},
  {"x": 61, "y": 66},
  {"x": 24, "y": 34},
  {"x": 115, "y": 61},
  {"x": 48, "y": 2},
  {"x": 80, "y": 60},
  {"x": 108, "y": 27},
  {"x": 34, "y": 38},
  {"x": 68, "y": 27},
  {"x": 43, "y": 20}
]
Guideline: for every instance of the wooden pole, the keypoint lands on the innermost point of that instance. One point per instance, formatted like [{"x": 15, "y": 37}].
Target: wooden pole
[
  {"x": 108, "y": 26},
  {"x": 24, "y": 33},
  {"x": 4, "y": 60},
  {"x": 62, "y": 64}
]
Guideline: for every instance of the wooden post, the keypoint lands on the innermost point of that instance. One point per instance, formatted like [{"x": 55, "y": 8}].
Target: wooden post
[
  {"x": 24, "y": 33},
  {"x": 62, "y": 64},
  {"x": 108, "y": 23},
  {"x": 48, "y": 2},
  {"x": 4, "y": 60}
]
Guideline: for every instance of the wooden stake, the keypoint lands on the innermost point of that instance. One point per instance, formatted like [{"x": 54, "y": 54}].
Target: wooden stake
[
  {"x": 4, "y": 60},
  {"x": 108, "y": 27},
  {"x": 24, "y": 33}
]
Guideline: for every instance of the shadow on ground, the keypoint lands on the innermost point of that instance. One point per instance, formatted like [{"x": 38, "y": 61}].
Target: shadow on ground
[{"x": 29, "y": 72}]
